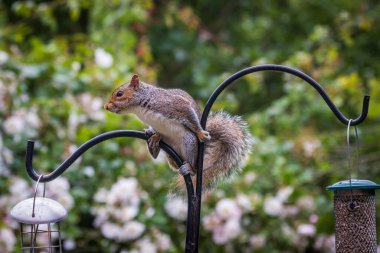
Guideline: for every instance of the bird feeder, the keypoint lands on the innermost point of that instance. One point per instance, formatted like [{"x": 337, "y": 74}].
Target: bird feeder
[
  {"x": 355, "y": 216},
  {"x": 39, "y": 224}
]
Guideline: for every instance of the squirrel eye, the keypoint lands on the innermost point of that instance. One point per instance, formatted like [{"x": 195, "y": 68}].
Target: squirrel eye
[{"x": 119, "y": 94}]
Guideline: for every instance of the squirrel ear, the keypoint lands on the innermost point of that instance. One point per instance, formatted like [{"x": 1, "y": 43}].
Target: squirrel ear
[{"x": 135, "y": 82}]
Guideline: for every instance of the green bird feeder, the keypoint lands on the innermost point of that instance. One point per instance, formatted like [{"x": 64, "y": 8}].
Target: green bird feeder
[{"x": 355, "y": 216}]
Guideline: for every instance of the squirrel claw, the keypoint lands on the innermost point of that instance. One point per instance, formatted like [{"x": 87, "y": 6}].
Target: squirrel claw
[
  {"x": 149, "y": 132},
  {"x": 186, "y": 169},
  {"x": 203, "y": 135}
]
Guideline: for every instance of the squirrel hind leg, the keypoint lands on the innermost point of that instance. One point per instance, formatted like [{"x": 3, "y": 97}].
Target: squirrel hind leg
[{"x": 189, "y": 151}]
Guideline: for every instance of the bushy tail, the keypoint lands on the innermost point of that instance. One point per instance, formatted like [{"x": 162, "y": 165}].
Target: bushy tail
[{"x": 228, "y": 148}]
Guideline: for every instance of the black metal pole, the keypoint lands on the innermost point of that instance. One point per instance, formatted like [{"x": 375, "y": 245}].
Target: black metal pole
[{"x": 234, "y": 77}]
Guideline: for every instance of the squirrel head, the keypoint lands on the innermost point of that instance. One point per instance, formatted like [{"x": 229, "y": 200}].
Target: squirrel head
[{"x": 124, "y": 97}]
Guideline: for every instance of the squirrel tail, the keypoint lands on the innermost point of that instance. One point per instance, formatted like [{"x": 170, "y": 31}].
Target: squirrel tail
[{"x": 225, "y": 153}]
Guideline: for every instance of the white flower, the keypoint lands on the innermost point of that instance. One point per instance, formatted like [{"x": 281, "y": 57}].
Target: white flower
[
  {"x": 3, "y": 57},
  {"x": 130, "y": 251},
  {"x": 326, "y": 244},
  {"x": 176, "y": 208},
  {"x": 132, "y": 230},
  {"x": 150, "y": 212},
  {"x": 73, "y": 123},
  {"x": 32, "y": 119},
  {"x": 19, "y": 190},
  {"x": 14, "y": 124},
  {"x": 273, "y": 206},
  {"x": 65, "y": 199},
  {"x": 120, "y": 204},
  {"x": 124, "y": 191},
  {"x": 101, "y": 195},
  {"x": 250, "y": 177},
  {"x": 307, "y": 203},
  {"x": 92, "y": 106},
  {"x": 7, "y": 155},
  {"x": 211, "y": 221},
  {"x": 311, "y": 146},
  {"x": 102, "y": 58},
  {"x": 7, "y": 240},
  {"x": 101, "y": 215},
  {"x": 110, "y": 230},
  {"x": 284, "y": 193},
  {"x": 233, "y": 227},
  {"x": 244, "y": 203},
  {"x": 69, "y": 244},
  {"x": 75, "y": 66},
  {"x": 220, "y": 235},
  {"x": 313, "y": 218},
  {"x": 89, "y": 171},
  {"x": 306, "y": 229},
  {"x": 146, "y": 246},
  {"x": 257, "y": 241},
  {"x": 163, "y": 241},
  {"x": 128, "y": 213},
  {"x": 58, "y": 189},
  {"x": 43, "y": 239},
  {"x": 60, "y": 184},
  {"x": 22, "y": 121},
  {"x": 289, "y": 211},
  {"x": 227, "y": 208}
]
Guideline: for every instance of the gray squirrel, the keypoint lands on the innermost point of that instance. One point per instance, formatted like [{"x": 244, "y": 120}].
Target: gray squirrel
[{"x": 174, "y": 117}]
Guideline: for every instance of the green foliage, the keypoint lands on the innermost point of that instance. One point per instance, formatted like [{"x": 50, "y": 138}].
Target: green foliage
[{"x": 60, "y": 60}]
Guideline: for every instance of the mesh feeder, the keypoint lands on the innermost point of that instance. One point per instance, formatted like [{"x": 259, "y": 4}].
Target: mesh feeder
[
  {"x": 39, "y": 223},
  {"x": 355, "y": 216}
]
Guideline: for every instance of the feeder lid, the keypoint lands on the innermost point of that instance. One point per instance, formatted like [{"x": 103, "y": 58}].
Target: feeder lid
[
  {"x": 355, "y": 184},
  {"x": 46, "y": 211}
]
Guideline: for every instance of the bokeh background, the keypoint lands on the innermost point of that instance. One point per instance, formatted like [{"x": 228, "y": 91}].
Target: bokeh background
[{"x": 60, "y": 60}]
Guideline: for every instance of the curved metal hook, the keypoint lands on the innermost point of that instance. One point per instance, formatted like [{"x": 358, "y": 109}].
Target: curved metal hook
[
  {"x": 294, "y": 72},
  {"x": 83, "y": 148},
  {"x": 109, "y": 135}
]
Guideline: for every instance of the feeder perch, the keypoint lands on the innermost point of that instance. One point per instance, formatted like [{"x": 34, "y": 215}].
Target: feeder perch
[
  {"x": 37, "y": 217},
  {"x": 355, "y": 216}
]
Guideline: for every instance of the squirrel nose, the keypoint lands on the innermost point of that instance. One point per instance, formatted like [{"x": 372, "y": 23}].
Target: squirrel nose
[{"x": 105, "y": 106}]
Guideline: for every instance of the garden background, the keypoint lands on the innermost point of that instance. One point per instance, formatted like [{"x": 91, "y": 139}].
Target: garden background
[{"x": 60, "y": 60}]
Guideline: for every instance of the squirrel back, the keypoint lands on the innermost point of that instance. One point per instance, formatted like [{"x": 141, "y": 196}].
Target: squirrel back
[{"x": 229, "y": 147}]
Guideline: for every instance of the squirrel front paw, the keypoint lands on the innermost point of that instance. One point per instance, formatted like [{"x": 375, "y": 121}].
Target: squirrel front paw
[
  {"x": 203, "y": 135},
  {"x": 153, "y": 142}
]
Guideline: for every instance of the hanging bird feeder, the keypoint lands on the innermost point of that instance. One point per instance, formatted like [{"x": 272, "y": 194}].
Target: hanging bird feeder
[
  {"x": 355, "y": 216},
  {"x": 354, "y": 211},
  {"x": 39, "y": 223}
]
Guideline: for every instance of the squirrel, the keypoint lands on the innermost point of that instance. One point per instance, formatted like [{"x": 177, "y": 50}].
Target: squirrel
[{"x": 173, "y": 116}]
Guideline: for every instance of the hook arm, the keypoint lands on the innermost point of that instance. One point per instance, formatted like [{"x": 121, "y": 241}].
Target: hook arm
[
  {"x": 292, "y": 71},
  {"x": 83, "y": 148},
  {"x": 109, "y": 135},
  {"x": 114, "y": 134}
]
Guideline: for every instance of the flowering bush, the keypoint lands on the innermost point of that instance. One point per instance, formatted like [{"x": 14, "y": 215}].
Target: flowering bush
[{"x": 60, "y": 60}]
